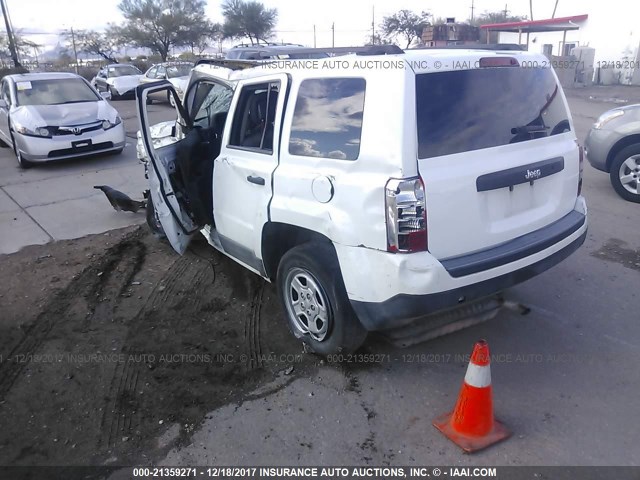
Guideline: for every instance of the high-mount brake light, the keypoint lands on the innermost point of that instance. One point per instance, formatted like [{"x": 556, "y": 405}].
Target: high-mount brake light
[{"x": 487, "y": 62}]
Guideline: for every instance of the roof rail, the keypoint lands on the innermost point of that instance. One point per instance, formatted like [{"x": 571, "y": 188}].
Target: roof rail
[
  {"x": 230, "y": 64},
  {"x": 366, "y": 50},
  {"x": 476, "y": 46}
]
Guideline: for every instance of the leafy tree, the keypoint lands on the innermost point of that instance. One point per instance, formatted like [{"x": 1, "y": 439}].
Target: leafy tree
[
  {"x": 405, "y": 24},
  {"x": 494, "y": 17},
  {"x": 377, "y": 40},
  {"x": 104, "y": 44},
  {"x": 24, "y": 47},
  {"x": 160, "y": 25},
  {"x": 201, "y": 36},
  {"x": 248, "y": 18}
]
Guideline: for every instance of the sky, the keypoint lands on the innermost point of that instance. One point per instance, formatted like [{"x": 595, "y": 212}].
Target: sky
[{"x": 296, "y": 18}]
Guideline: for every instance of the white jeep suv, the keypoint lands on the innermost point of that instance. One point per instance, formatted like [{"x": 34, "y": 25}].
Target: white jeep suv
[{"x": 374, "y": 189}]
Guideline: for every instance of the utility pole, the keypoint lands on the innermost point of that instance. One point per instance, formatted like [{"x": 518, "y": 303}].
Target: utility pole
[
  {"x": 531, "y": 9},
  {"x": 472, "y": 9},
  {"x": 554, "y": 10},
  {"x": 373, "y": 25},
  {"x": 506, "y": 12},
  {"x": 314, "y": 36},
  {"x": 75, "y": 52},
  {"x": 333, "y": 35},
  {"x": 10, "y": 37}
]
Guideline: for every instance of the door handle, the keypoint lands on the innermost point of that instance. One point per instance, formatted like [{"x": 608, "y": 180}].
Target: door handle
[{"x": 256, "y": 180}]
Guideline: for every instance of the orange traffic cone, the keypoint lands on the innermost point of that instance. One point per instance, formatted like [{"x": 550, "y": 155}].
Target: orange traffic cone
[{"x": 471, "y": 425}]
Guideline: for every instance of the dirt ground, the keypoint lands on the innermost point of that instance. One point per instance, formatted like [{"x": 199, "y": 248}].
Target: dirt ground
[{"x": 116, "y": 338}]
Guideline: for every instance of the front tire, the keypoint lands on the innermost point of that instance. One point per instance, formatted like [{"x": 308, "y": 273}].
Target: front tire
[
  {"x": 625, "y": 173},
  {"x": 22, "y": 163},
  {"x": 315, "y": 301}
]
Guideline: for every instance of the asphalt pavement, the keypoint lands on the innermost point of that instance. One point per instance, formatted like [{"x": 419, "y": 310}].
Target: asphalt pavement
[{"x": 57, "y": 201}]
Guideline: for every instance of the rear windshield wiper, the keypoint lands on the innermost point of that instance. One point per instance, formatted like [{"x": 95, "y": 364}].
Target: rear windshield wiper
[{"x": 529, "y": 129}]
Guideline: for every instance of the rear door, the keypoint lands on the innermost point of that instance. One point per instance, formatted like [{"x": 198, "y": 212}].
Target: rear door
[
  {"x": 496, "y": 154},
  {"x": 242, "y": 185}
]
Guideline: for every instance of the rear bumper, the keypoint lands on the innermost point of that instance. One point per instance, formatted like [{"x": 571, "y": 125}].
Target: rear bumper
[
  {"x": 399, "y": 289},
  {"x": 403, "y": 309}
]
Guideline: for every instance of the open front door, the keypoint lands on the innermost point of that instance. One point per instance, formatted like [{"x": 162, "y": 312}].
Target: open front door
[{"x": 165, "y": 182}]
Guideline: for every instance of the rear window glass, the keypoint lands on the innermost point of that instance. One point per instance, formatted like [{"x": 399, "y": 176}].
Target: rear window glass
[
  {"x": 465, "y": 110},
  {"x": 327, "y": 121}
]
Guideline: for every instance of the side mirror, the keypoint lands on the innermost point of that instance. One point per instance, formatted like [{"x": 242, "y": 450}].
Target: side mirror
[
  {"x": 106, "y": 95},
  {"x": 3, "y": 103}
]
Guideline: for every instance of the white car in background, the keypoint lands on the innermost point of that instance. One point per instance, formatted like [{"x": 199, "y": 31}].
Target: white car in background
[
  {"x": 54, "y": 116},
  {"x": 177, "y": 73},
  {"x": 119, "y": 79}
]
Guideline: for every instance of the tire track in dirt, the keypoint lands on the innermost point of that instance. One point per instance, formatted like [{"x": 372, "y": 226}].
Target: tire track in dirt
[
  {"x": 252, "y": 331},
  {"x": 123, "y": 416},
  {"x": 84, "y": 297}
]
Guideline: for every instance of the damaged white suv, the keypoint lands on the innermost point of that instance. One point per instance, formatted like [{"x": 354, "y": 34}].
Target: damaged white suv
[{"x": 374, "y": 189}]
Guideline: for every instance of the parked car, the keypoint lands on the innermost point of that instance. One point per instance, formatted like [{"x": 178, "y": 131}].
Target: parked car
[
  {"x": 372, "y": 196},
  {"x": 613, "y": 146},
  {"x": 119, "y": 79},
  {"x": 53, "y": 116},
  {"x": 176, "y": 72},
  {"x": 271, "y": 51}
]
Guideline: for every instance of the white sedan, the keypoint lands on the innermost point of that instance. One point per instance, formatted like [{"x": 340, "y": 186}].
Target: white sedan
[
  {"x": 175, "y": 72},
  {"x": 53, "y": 116}
]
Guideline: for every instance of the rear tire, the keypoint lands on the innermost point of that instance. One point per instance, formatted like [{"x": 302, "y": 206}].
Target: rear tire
[
  {"x": 625, "y": 173},
  {"x": 114, "y": 94},
  {"x": 315, "y": 301}
]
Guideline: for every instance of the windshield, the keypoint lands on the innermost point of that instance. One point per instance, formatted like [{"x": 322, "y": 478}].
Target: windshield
[
  {"x": 174, "y": 71},
  {"x": 464, "y": 110},
  {"x": 123, "y": 71},
  {"x": 54, "y": 92}
]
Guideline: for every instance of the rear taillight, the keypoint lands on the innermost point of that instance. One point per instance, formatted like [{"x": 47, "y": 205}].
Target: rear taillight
[
  {"x": 581, "y": 168},
  {"x": 406, "y": 215}
]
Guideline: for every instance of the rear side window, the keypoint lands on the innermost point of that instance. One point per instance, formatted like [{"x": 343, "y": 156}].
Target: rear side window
[
  {"x": 254, "y": 117},
  {"x": 465, "y": 110},
  {"x": 327, "y": 120}
]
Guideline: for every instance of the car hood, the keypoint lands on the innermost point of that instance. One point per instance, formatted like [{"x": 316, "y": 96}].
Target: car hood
[
  {"x": 180, "y": 82},
  {"x": 160, "y": 137},
  {"x": 33, "y": 116},
  {"x": 126, "y": 81}
]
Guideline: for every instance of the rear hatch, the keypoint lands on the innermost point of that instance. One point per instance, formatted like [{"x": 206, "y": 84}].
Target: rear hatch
[{"x": 496, "y": 154}]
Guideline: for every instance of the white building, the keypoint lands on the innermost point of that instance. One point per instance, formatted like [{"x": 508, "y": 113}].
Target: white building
[{"x": 610, "y": 52}]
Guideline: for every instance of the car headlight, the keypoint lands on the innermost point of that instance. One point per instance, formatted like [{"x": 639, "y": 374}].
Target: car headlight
[
  {"x": 107, "y": 124},
  {"x": 36, "y": 132},
  {"x": 606, "y": 117}
]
